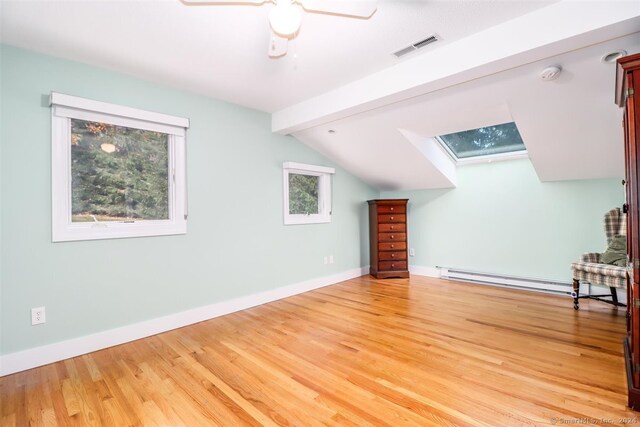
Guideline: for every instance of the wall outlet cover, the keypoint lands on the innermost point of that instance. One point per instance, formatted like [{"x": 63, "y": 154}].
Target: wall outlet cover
[{"x": 38, "y": 315}]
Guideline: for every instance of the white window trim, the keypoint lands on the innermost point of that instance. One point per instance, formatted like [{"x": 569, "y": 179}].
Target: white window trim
[
  {"x": 66, "y": 107},
  {"x": 324, "y": 193},
  {"x": 521, "y": 154}
]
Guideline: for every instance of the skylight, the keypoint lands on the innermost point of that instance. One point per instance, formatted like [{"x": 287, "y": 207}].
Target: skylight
[{"x": 492, "y": 141}]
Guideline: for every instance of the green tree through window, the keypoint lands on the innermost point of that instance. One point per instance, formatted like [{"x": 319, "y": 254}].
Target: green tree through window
[
  {"x": 303, "y": 194},
  {"x": 485, "y": 141},
  {"x": 118, "y": 173}
]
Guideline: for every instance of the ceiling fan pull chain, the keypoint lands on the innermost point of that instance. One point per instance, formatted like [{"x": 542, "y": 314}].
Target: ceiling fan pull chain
[{"x": 295, "y": 54}]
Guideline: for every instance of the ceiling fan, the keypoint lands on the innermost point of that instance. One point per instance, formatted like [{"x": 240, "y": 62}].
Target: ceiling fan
[{"x": 285, "y": 17}]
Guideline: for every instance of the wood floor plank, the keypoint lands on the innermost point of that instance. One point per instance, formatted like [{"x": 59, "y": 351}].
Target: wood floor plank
[{"x": 364, "y": 352}]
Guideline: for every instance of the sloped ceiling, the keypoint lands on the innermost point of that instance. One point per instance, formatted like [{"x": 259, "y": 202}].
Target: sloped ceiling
[
  {"x": 341, "y": 74},
  {"x": 221, "y": 50},
  {"x": 570, "y": 126}
]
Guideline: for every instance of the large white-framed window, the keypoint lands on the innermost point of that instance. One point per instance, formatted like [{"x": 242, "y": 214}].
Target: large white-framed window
[
  {"x": 307, "y": 193},
  {"x": 116, "y": 171}
]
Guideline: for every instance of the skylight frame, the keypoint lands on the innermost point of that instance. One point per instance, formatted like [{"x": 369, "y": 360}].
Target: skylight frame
[{"x": 487, "y": 158}]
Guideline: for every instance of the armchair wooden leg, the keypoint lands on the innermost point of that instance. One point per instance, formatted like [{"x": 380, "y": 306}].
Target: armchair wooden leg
[
  {"x": 575, "y": 293},
  {"x": 614, "y": 295}
]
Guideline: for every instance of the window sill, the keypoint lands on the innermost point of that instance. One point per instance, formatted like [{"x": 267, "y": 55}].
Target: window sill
[
  {"x": 118, "y": 230},
  {"x": 306, "y": 219}
]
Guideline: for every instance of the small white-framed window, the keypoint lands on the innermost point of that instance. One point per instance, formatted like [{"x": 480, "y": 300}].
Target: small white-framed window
[
  {"x": 116, "y": 171},
  {"x": 307, "y": 193}
]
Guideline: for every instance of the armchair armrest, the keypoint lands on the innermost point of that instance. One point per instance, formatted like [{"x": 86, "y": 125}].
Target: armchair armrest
[{"x": 590, "y": 257}]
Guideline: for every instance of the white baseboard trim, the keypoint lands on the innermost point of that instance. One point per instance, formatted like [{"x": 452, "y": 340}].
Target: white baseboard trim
[
  {"x": 424, "y": 271},
  {"x": 38, "y": 356}
]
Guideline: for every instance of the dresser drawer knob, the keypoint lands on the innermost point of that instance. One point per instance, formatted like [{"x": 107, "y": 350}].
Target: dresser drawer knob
[
  {"x": 391, "y": 227},
  {"x": 392, "y": 246},
  {"x": 392, "y": 208},
  {"x": 392, "y": 236},
  {"x": 391, "y": 218},
  {"x": 393, "y": 265},
  {"x": 392, "y": 255}
]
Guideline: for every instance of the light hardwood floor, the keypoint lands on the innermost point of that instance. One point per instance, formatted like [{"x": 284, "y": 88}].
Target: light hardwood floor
[{"x": 362, "y": 352}]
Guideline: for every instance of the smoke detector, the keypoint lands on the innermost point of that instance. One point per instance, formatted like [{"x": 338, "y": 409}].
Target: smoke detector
[{"x": 550, "y": 73}]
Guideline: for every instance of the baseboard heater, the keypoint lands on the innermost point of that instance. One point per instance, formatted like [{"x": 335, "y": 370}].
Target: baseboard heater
[{"x": 506, "y": 281}]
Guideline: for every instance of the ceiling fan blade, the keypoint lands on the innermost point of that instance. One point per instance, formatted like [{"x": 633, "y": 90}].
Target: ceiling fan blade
[
  {"x": 359, "y": 8},
  {"x": 277, "y": 45},
  {"x": 223, "y": 2}
]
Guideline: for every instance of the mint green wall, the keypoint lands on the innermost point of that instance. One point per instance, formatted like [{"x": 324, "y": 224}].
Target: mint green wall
[
  {"x": 1, "y": 203},
  {"x": 502, "y": 219},
  {"x": 236, "y": 244}
]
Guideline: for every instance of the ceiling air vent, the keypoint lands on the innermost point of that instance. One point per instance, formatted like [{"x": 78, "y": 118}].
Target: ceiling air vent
[{"x": 417, "y": 45}]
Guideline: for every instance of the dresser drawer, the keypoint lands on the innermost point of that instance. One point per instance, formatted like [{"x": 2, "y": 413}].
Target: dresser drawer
[
  {"x": 392, "y": 246},
  {"x": 392, "y": 218},
  {"x": 392, "y": 256},
  {"x": 382, "y": 209},
  {"x": 392, "y": 237},
  {"x": 392, "y": 265},
  {"x": 392, "y": 227}
]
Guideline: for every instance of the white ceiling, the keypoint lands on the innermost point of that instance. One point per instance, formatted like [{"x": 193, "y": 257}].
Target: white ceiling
[
  {"x": 571, "y": 126},
  {"x": 221, "y": 51},
  {"x": 340, "y": 74},
  {"x": 384, "y": 123}
]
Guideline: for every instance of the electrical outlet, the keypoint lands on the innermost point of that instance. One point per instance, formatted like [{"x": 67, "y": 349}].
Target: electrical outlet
[
  {"x": 38, "y": 316},
  {"x": 326, "y": 260},
  {"x": 412, "y": 252},
  {"x": 330, "y": 259}
]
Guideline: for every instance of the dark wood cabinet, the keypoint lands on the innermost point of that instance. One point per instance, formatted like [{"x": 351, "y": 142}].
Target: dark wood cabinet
[
  {"x": 388, "y": 238},
  {"x": 628, "y": 97}
]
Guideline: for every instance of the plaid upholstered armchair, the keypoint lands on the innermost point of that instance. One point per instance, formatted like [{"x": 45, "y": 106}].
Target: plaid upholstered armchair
[{"x": 590, "y": 270}]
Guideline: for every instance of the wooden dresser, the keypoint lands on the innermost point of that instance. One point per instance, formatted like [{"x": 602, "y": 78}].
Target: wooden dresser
[
  {"x": 388, "y": 238},
  {"x": 628, "y": 97}
]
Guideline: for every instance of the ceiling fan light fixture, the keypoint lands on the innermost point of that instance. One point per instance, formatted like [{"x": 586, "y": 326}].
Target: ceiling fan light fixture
[{"x": 285, "y": 18}]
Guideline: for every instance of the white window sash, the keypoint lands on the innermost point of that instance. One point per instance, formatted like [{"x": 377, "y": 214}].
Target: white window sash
[
  {"x": 63, "y": 229},
  {"x": 324, "y": 193},
  {"x": 92, "y": 116}
]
